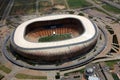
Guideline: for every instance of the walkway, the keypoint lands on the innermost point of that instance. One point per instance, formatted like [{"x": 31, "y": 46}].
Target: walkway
[
  {"x": 51, "y": 75},
  {"x": 11, "y": 75}
]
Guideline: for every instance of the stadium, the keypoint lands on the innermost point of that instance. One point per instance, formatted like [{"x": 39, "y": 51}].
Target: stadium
[{"x": 54, "y": 38}]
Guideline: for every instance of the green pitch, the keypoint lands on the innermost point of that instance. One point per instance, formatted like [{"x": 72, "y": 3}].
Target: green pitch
[{"x": 56, "y": 37}]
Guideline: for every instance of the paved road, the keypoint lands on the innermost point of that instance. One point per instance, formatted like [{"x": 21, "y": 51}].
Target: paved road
[
  {"x": 66, "y": 3},
  {"x": 111, "y": 3},
  {"x": 52, "y": 2},
  {"x": 37, "y": 5},
  {"x": 7, "y": 11},
  {"x": 99, "y": 7},
  {"x": 1, "y": 24}
]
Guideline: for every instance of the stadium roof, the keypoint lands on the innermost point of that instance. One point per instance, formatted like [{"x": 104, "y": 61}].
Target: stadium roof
[{"x": 20, "y": 32}]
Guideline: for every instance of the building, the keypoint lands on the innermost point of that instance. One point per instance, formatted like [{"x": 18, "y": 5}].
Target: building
[
  {"x": 25, "y": 39},
  {"x": 98, "y": 71}
]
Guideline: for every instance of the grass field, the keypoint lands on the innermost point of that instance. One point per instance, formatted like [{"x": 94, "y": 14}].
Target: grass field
[
  {"x": 111, "y": 63},
  {"x": 1, "y": 76},
  {"x": 22, "y": 7},
  {"x": 5, "y": 69},
  {"x": 78, "y": 3},
  {"x": 101, "y": 11},
  {"x": 111, "y": 8},
  {"x": 56, "y": 37},
  {"x": 115, "y": 76},
  {"x": 25, "y": 76},
  {"x": 28, "y": 7},
  {"x": 81, "y": 71}
]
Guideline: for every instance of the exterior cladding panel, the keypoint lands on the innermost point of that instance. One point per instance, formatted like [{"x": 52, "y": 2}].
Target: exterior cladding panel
[
  {"x": 63, "y": 52},
  {"x": 58, "y": 53}
]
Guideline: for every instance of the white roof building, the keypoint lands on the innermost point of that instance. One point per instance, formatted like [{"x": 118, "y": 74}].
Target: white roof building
[{"x": 93, "y": 78}]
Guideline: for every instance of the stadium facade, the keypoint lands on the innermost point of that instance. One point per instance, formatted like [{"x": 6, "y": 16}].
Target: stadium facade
[{"x": 25, "y": 39}]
